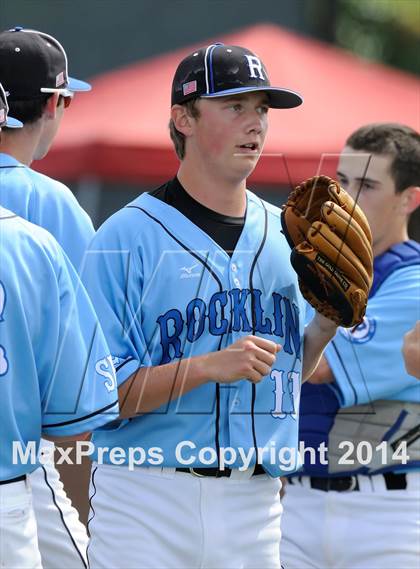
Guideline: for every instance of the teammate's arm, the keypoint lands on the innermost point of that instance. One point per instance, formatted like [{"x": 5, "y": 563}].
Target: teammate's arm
[
  {"x": 322, "y": 373},
  {"x": 317, "y": 335},
  {"x": 148, "y": 388}
]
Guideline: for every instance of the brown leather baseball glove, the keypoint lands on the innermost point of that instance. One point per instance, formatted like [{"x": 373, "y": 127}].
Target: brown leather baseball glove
[{"x": 331, "y": 249}]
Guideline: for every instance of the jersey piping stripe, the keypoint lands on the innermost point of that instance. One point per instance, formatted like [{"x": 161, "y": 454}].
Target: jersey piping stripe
[
  {"x": 219, "y": 282},
  {"x": 12, "y": 166},
  {"x": 81, "y": 418},
  {"x": 86, "y": 365},
  {"x": 345, "y": 371},
  {"x": 362, "y": 375},
  {"x": 127, "y": 361},
  {"x": 251, "y": 288},
  {"x": 62, "y": 517},
  {"x": 51, "y": 387},
  {"x": 356, "y": 398},
  {"x": 394, "y": 428},
  {"x": 93, "y": 511},
  {"x": 409, "y": 438},
  {"x": 217, "y": 425},
  {"x": 6, "y": 217},
  {"x": 193, "y": 253}
]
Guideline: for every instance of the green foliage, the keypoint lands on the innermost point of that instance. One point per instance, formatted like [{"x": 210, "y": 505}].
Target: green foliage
[{"x": 384, "y": 30}]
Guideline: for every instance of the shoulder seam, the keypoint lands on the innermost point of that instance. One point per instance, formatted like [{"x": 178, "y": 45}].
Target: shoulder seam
[{"x": 392, "y": 273}]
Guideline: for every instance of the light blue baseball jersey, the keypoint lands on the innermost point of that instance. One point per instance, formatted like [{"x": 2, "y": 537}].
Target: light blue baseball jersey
[
  {"x": 164, "y": 290},
  {"x": 56, "y": 373},
  {"x": 367, "y": 363},
  {"x": 368, "y": 366},
  {"x": 48, "y": 203}
]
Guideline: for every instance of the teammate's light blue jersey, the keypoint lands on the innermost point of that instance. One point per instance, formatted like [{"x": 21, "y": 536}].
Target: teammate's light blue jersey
[
  {"x": 380, "y": 400},
  {"x": 164, "y": 290},
  {"x": 364, "y": 362},
  {"x": 56, "y": 374},
  {"x": 48, "y": 203}
]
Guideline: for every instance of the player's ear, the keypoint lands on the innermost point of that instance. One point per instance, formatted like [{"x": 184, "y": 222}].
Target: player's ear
[
  {"x": 183, "y": 121},
  {"x": 51, "y": 106},
  {"x": 411, "y": 199}
]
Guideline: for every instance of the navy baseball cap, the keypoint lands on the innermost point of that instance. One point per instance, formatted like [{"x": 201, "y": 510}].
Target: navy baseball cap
[
  {"x": 33, "y": 63},
  {"x": 5, "y": 120},
  {"x": 219, "y": 70}
]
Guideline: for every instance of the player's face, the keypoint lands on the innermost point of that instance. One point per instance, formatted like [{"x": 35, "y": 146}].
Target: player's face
[
  {"x": 367, "y": 178},
  {"x": 229, "y": 134}
]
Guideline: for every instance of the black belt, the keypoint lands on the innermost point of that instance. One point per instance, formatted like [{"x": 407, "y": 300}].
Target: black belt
[
  {"x": 351, "y": 483},
  {"x": 216, "y": 472},
  {"x": 17, "y": 479}
]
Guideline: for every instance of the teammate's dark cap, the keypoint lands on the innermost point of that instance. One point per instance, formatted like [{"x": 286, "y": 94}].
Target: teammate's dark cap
[
  {"x": 219, "y": 70},
  {"x": 5, "y": 120},
  {"x": 33, "y": 63}
]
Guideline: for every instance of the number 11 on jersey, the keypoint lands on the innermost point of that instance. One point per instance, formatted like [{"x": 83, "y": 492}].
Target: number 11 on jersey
[{"x": 286, "y": 393}]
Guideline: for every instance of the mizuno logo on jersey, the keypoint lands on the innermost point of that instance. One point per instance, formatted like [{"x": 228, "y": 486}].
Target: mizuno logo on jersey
[
  {"x": 238, "y": 310},
  {"x": 188, "y": 272}
]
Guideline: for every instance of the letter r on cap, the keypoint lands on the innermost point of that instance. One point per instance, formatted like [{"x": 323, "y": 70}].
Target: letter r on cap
[{"x": 255, "y": 65}]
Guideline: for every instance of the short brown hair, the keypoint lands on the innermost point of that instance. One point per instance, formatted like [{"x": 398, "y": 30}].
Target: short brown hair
[
  {"x": 177, "y": 137},
  {"x": 28, "y": 110},
  {"x": 400, "y": 142}
]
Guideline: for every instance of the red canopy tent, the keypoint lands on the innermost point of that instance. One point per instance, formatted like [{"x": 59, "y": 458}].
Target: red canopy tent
[{"x": 120, "y": 130}]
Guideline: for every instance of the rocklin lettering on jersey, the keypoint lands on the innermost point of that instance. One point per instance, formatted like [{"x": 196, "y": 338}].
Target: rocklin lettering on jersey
[{"x": 238, "y": 310}]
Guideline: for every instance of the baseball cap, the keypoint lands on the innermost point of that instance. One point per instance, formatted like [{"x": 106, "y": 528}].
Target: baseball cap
[
  {"x": 32, "y": 63},
  {"x": 5, "y": 120},
  {"x": 219, "y": 70}
]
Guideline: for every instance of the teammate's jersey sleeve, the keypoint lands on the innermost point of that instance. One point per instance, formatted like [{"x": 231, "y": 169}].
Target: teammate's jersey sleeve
[
  {"x": 114, "y": 280},
  {"x": 47, "y": 203},
  {"x": 367, "y": 362},
  {"x": 82, "y": 372},
  {"x": 56, "y": 371}
]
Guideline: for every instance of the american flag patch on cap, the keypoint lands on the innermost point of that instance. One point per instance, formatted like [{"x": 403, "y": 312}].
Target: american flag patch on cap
[
  {"x": 189, "y": 88},
  {"x": 59, "y": 80}
]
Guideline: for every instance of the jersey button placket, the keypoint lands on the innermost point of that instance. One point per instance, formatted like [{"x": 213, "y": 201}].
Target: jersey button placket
[{"x": 234, "y": 272}]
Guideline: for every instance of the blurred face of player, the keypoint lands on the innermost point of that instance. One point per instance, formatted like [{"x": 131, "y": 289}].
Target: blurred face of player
[
  {"x": 368, "y": 179},
  {"x": 52, "y": 119},
  {"x": 229, "y": 134}
]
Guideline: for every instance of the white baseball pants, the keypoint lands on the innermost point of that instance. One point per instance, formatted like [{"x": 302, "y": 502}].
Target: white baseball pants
[
  {"x": 373, "y": 528},
  {"x": 18, "y": 534},
  {"x": 158, "y": 518},
  {"x": 62, "y": 537}
]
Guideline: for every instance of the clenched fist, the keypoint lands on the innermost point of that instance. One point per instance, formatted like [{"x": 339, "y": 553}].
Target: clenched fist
[{"x": 249, "y": 358}]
